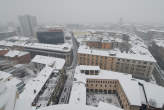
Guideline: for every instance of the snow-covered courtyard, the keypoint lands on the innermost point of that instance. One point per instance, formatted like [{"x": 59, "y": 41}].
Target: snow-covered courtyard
[{"x": 94, "y": 98}]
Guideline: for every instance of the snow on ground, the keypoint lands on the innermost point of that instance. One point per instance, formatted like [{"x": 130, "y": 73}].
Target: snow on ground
[{"x": 94, "y": 99}]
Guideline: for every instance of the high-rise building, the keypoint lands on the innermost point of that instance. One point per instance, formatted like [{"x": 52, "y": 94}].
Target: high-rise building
[
  {"x": 50, "y": 35},
  {"x": 28, "y": 23}
]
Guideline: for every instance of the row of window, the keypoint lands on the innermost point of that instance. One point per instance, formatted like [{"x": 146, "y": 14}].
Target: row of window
[
  {"x": 100, "y": 85},
  {"x": 134, "y": 61},
  {"x": 101, "y": 81}
]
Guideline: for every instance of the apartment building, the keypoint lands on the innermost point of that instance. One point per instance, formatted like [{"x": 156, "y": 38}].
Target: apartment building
[
  {"x": 46, "y": 86},
  {"x": 137, "y": 65},
  {"x": 104, "y": 43},
  {"x": 132, "y": 94},
  {"x": 3, "y": 51},
  {"x": 19, "y": 57},
  {"x": 60, "y": 51}
]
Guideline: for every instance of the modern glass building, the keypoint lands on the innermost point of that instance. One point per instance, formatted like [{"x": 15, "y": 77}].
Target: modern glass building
[{"x": 51, "y": 37}]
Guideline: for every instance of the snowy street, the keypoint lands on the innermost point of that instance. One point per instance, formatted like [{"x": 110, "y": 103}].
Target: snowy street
[{"x": 64, "y": 98}]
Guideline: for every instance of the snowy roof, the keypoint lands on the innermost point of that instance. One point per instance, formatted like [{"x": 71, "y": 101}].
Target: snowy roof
[
  {"x": 87, "y": 67},
  {"x": 18, "y": 38},
  {"x": 65, "y": 47},
  {"x": 3, "y": 49},
  {"x": 8, "y": 79},
  {"x": 7, "y": 97},
  {"x": 78, "y": 94},
  {"x": 14, "y": 53},
  {"x": 4, "y": 75},
  {"x": 57, "y": 63},
  {"x": 154, "y": 93},
  {"x": 117, "y": 54},
  {"x": 27, "y": 96},
  {"x": 60, "y": 47},
  {"x": 133, "y": 90},
  {"x": 159, "y": 42},
  {"x": 130, "y": 87},
  {"x": 101, "y": 106}
]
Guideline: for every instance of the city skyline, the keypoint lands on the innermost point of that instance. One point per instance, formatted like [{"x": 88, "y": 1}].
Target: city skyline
[{"x": 84, "y": 11}]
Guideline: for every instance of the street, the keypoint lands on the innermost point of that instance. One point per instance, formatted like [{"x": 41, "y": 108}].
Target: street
[{"x": 64, "y": 98}]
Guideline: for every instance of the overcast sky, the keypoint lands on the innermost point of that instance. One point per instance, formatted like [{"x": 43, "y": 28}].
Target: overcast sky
[{"x": 84, "y": 11}]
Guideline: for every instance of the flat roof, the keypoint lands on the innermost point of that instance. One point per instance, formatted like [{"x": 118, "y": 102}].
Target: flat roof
[
  {"x": 101, "y": 106},
  {"x": 7, "y": 96},
  {"x": 4, "y": 75},
  {"x": 133, "y": 90},
  {"x": 78, "y": 93},
  {"x": 118, "y": 54},
  {"x": 57, "y": 63},
  {"x": 65, "y": 47},
  {"x": 159, "y": 42},
  {"x": 154, "y": 93},
  {"x": 130, "y": 87},
  {"x": 14, "y": 53},
  {"x": 27, "y": 96},
  {"x": 87, "y": 67},
  {"x": 59, "y": 47}
]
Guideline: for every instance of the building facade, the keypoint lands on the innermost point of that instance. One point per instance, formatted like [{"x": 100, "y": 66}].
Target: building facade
[
  {"x": 51, "y": 36},
  {"x": 136, "y": 67},
  {"x": 28, "y": 24}
]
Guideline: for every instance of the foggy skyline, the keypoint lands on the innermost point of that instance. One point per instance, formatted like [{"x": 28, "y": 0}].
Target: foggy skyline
[{"x": 84, "y": 11}]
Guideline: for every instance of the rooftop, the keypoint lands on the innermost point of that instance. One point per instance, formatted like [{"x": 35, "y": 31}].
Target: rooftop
[
  {"x": 65, "y": 47},
  {"x": 27, "y": 96},
  {"x": 60, "y": 47},
  {"x": 4, "y": 76},
  {"x": 7, "y": 96},
  {"x": 87, "y": 67},
  {"x": 15, "y": 53},
  {"x": 101, "y": 106},
  {"x": 116, "y": 53},
  {"x": 159, "y": 42},
  {"x": 57, "y": 63},
  {"x": 129, "y": 85}
]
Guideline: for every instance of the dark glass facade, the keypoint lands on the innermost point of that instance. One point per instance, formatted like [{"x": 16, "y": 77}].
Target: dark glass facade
[{"x": 51, "y": 37}]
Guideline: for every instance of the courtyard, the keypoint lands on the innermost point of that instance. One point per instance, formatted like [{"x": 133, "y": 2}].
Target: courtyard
[{"x": 94, "y": 99}]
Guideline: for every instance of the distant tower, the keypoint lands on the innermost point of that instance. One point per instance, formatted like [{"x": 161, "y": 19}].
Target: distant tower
[
  {"x": 28, "y": 24},
  {"x": 120, "y": 21}
]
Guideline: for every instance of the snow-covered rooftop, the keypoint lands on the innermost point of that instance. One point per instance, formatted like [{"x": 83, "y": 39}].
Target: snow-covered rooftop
[
  {"x": 4, "y": 76},
  {"x": 60, "y": 47},
  {"x": 159, "y": 42},
  {"x": 65, "y": 47},
  {"x": 154, "y": 93},
  {"x": 116, "y": 53},
  {"x": 7, "y": 97},
  {"x": 8, "y": 79},
  {"x": 27, "y": 96},
  {"x": 54, "y": 62},
  {"x": 78, "y": 94},
  {"x": 87, "y": 67},
  {"x": 14, "y": 53},
  {"x": 101, "y": 106},
  {"x": 131, "y": 87}
]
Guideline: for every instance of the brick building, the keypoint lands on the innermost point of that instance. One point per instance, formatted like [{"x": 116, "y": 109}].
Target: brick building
[
  {"x": 138, "y": 65},
  {"x": 18, "y": 56}
]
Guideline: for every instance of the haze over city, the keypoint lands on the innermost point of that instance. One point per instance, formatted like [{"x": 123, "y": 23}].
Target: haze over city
[
  {"x": 81, "y": 55},
  {"x": 84, "y": 11}
]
